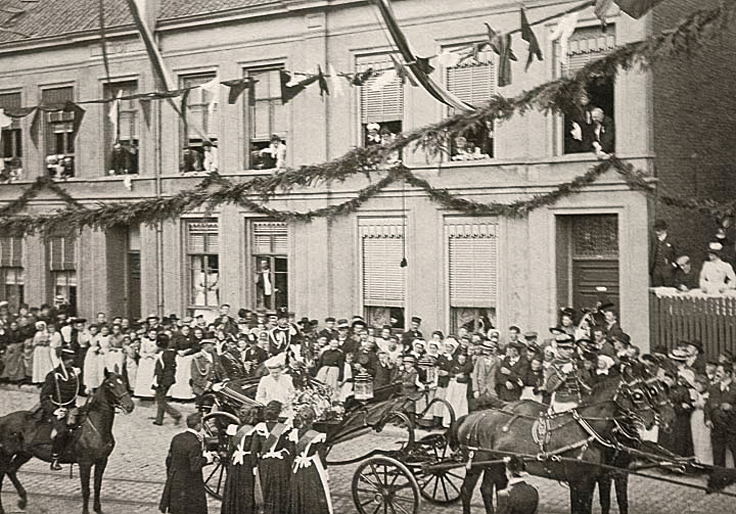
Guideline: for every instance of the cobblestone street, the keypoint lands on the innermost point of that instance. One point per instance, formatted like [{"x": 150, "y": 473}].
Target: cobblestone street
[{"x": 135, "y": 475}]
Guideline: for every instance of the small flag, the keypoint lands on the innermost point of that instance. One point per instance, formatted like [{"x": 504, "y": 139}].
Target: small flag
[
  {"x": 5, "y": 121},
  {"x": 402, "y": 72},
  {"x": 362, "y": 77},
  {"x": 527, "y": 34},
  {"x": 322, "y": 81},
  {"x": 383, "y": 80},
  {"x": 291, "y": 87},
  {"x": 213, "y": 88},
  {"x": 499, "y": 43},
  {"x": 237, "y": 87},
  {"x": 448, "y": 59},
  {"x": 637, "y": 8},
  {"x": 563, "y": 32}
]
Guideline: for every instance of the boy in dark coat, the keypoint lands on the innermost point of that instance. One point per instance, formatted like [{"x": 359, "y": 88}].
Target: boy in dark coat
[
  {"x": 184, "y": 490},
  {"x": 164, "y": 378}
]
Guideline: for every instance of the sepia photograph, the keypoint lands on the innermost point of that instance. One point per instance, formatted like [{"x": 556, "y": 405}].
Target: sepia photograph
[{"x": 367, "y": 256}]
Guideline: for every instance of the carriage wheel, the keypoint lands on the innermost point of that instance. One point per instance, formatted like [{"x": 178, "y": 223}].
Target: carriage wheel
[
  {"x": 442, "y": 486},
  {"x": 214, "y": 426},
  {"x": 383, "y": 484}
]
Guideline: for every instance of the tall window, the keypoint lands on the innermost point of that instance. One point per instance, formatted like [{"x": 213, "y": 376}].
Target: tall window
[
  {"x": 11, "y": 270},
  {"x": 270, "y": 257},
  {"x": 266, "y": 117},
  {"x": 63, "y": 268},
  {"x": 201, "y": 120},
  {"x": 383, "y": 278},
  {"x": 473, "y": 276},
  {"x": 381, "y": 109},
  {"x": 474, "y": 82},
  {"x": 585, "y": 45},
  {"x": 203, "y": 261},
  {"x": 12, "y": 141},
  {"x": 121, "y": 129},
  {"x": 59, "y": 130}
]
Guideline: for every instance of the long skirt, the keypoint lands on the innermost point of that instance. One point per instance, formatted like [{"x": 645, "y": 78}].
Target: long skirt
[
  {"x": 346, "y": 391},
  {"x": 438, "y": 409},
  {"x": 28, "y": 357},
  {"x": 328, "y": 375},
  {"x": 131, "y": 371},
  {"x": 239, "y": 494},
  {"x": 92, "y": 369},
  {"x": 702, "y": 446},
  {"x": 275, "y": 474},
  {"x": 457, "y": 396},
  {"x": 42, "y": 364},
  {"x": 113, "y": 361},
  {"x": 182, "y": 389},
  {"x": 144, "y": 378},
  {"x": 310, "y": 492},
  {"x": 15, "y": 369}
]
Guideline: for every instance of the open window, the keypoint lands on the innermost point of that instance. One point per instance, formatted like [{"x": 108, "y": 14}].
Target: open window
[
  {"x": 12, "y": 142},
  {"x": 121, "y": 129},
  {"x": 266, "y": 127},
  {"x": 381, "y": 104},
  {"x": 199, "y": 152},
  {"x": 59, "y": 132}
]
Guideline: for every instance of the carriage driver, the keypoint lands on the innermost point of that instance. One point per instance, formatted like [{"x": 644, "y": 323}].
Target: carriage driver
[
  {"x": 59, "y": 402},
  {"x": 563, "y": 377}
]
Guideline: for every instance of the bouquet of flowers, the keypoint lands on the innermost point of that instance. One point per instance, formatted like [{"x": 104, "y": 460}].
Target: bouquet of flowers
[{"x": 316, "y": 395}]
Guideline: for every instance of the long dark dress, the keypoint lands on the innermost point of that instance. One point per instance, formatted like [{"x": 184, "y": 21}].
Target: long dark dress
[
  {"x": 239, "y": 494},
  {"x": 15, "y": 369},
  {"x": 274, "y": 450},
  {"x": 680, "y": 439},
  {"x": 310, "y": 492}
]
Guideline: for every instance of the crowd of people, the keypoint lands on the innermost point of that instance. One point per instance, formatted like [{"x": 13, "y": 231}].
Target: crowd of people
[
  {"x": 670, "y": 267},
  {"x": 478, "y": 367}
]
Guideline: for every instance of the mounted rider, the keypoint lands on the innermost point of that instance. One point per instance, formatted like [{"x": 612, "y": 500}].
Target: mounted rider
[
  {"x": 563, "y": 378},
  {"x": 59, "y": 402}
]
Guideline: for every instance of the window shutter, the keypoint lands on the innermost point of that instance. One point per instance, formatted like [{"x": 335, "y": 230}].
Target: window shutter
[
  {"x": 472, "y": 82},
  {"x": 17, "y": 253},
  {"x": 386, "y": 104},
  {"x": 384, "y": 280},
  {"x": 270, "y": 237},
  {"x": 56, "y": 251},
  {"x": 70, "y": 252},
  {"x": 10, "y": 101},
  {"x": 586, "y": 45},
  {"x": 202, "y": 237},
  {"x": 6, "y": 251},
  {"x": 199, "y": 108},
  {"x": 473, "y": 251}
]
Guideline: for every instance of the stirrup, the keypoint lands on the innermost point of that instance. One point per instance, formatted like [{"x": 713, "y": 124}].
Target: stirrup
[{"x": 55, "y": 466}]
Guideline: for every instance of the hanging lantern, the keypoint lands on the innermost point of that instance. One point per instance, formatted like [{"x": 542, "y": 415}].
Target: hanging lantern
[
  {"x": 363, "y": 387},
  {"x": 429, "y": 370}
]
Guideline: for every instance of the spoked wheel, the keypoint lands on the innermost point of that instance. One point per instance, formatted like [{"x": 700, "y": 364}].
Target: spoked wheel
[
  {"x": 214, "y": 426},
  {"x": 441, "y": 486},
  {"x": 385, "y": 485}
]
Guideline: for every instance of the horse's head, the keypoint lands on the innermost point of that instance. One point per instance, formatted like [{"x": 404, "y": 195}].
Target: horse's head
[
  {"x": 657, "y": 392},
  {"x": 633, "y": 398},
  {"x": 115, "y": 389}
]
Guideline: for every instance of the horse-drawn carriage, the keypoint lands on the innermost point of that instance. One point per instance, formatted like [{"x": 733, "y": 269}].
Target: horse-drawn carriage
[{"x": 393, "y": 480}]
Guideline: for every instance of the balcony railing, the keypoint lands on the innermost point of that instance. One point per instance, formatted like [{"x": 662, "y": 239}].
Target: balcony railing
[{"x": 676, "y": 317}]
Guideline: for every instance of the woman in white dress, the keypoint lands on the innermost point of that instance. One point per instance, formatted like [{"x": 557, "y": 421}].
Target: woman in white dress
[
  {"x": 702, "y": 447},
  {"x": 55, "y": 344},
  {"x": 186, "y": 349},
  {"x": 42, "y": 362},
  {"x": 146, "y": 366},
  {"x": 457, "y": 389},
  {"x": 91, "y": 368}
]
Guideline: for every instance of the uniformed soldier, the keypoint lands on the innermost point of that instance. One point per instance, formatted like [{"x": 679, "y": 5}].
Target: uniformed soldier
[
  {"x": 280, "y": 336},
  {"x": 413, "y": 332},
  {"x": 563, "y": 377},
  {"x": 59, "y": 402}
]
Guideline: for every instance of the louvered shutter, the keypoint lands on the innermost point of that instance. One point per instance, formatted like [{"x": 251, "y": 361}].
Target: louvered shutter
[
  {"x": 202, "y": 237},
  {"x": 69, "y": 252},
  {"x": 10, "y": 101},
  {"x": 473, "y": 253},
  {"x": 473, "y": 82},
  {"x": 586, "y": 45},
  {"x": 62, "y": 253},
  {"x": 384, "y": 280},
  {"x": 6, "y": 251},
  {"x": 386, "y": 104},
  {"x": 270, "y": 237}
]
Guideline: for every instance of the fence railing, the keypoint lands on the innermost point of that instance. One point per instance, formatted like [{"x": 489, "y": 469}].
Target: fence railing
[{"x": 675, "y": 317}]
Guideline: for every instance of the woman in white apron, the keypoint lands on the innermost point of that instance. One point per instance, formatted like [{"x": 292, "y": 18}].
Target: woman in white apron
[
  {"x": 186, "y": 349},
  {"x": 42, "y": 363},
  {"x": 91, "y": 373},
  {"x": 146, "y": 366}
]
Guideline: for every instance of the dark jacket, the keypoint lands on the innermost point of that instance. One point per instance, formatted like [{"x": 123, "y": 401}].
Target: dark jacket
[
  {"x": 723, "y": 420},
  {"x": 184, "y": 490},
  {"x": 165, "y": 370},
  {"x": 515, "y": 377}
]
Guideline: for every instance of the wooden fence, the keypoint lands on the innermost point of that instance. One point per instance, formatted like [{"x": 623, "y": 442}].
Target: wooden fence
[{"x": 676, "y": 317}]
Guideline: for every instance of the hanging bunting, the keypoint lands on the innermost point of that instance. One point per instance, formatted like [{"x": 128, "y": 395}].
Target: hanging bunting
[
  {"x": 527, "y": 34},
  {"x": 154, "y": 54},
  {"x": 383, "y": 80},
  {"x": 637, "y": 8},
  {"x": 5, "y": 121},
  {"x": 563, "y": 32},
  {"x": 213, "y": 88},
  {"x": 237, "y": 87},
  {"x": 433, "y": 88},
  {"x": 322, "y": 81},
  {"x": 114, "y": 116},
  {"x": 402, "y": 73},
  {"x": 360, "y": 78},
  {"x": 290, "y": 87}
]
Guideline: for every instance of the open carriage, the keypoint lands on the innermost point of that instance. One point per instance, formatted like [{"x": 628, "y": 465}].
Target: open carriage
[{"x": 385, "y": 480}]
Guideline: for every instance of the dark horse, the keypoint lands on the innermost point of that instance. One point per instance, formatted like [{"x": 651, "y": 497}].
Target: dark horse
[
  {"x": 568, "y": 446},
  {"x": 22, "y": 437}
]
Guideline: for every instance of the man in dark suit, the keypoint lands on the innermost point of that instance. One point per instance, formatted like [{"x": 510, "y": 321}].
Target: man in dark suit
[
  {"x": 720, "y": 414},
  {"x": 184, "y": 490},
  {"x": 413, "y": 332},
  {"x": 253, "y": 356},
  {"x": 604, "y": 133},
  {"x": 206, "y": 367},
  {"x": 663, "y": 256},
  {"x": 510, "y": 372},
  {"x": 164, "y": 378}
]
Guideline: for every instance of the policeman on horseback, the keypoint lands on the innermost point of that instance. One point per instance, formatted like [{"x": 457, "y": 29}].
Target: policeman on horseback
[{"x": 59, "y": 402}]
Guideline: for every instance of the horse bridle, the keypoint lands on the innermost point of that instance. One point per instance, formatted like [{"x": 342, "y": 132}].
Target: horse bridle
[{"x": 117, "y": 404}]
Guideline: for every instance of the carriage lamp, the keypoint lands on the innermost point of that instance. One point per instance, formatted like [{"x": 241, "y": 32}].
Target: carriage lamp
[
  {"x": 429, "y": 371},
  {"x": 363, "y": 387}
]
